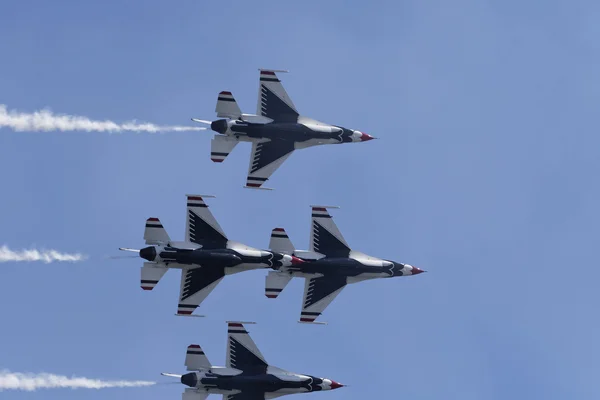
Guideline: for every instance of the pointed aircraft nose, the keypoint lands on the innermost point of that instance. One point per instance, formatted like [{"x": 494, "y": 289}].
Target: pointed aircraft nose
[
  {"x": 336, "y": 385},
  {"x": 366, "y": 137},
  {"x": 296, "y": 260},
  {"x": 416, "y": 271}
]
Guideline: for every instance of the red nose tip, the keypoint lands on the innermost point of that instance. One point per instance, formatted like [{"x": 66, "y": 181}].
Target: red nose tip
[
  {"x": 296, "y": 260},
  {"x": 335, "y": 385},
  {"x": 416, "y": 271},
  {"x": 365, "y": 137}
]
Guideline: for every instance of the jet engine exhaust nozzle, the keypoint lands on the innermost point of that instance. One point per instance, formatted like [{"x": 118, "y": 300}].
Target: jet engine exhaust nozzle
[
  {"x": 148, "y": 253},
  {"x": 219, "y": 126},
  {"x": 189, "y": 379}
]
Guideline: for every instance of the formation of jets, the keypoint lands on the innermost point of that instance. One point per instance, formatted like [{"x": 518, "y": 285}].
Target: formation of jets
[{"x": 206, "y": 255}]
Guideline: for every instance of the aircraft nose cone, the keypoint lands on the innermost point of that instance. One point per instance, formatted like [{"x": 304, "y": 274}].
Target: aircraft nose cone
[
  {"x": 336, "y": 385},
  {"x": 296, "y": 260},
  {"x": 148, "y": 253},
  {"x": 365, "y": 137},
  {"x": 416, "y": 271}
]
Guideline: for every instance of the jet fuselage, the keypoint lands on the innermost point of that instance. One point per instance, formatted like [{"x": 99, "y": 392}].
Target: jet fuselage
[
  {"x": 269, "y": 382},
  {"x": 291, "y": 131},
  {"x": 349, "y": 267},
  {"x": 215, "y": 257}
]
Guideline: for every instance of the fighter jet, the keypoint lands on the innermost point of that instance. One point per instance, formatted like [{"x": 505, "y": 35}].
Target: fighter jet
[
  {"x": 205, "y": 257},
  {"x": 276, "y": 130},
  {"x": 246, "y": 375},
  {"x": 332, "y": 265}
]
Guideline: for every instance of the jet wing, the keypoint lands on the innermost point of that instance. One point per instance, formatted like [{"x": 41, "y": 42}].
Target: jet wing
[
  {"x": 193, "y": 394},
  {"x": 196, "y": 285},
  {"x": 318, "y": 294},
  {"x": 325, "y": 237},
  {"x": 273, "y": 101},
  {"x": 267, "y": 155},
  {"x": 201, "y": 227},
  {"x": 242, "y": 352}
]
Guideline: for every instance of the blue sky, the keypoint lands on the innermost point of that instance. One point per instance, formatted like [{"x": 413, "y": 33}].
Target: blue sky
[{"x": 485, "y": 175}]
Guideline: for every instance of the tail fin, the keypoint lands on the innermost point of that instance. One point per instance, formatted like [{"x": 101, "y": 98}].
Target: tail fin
[
  {"x": 275, "y": 283},
  {"x": 151, "y": 274},
  {"x": 227, "y": 107},
  {"x": 280, "y": 242},
  {"x": 195, "y": 358},
  {"x": 155, "y": 233}
]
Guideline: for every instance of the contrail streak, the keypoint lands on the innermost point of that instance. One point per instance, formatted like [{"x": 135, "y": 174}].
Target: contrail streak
[
  {"x": 46, "y": 256},
  {"x": 31, "y": 382},
  {"x": 44, "y": 121}
]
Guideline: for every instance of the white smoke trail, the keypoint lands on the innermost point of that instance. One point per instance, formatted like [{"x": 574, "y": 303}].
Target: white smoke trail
[
  {"x": 45, "y": 120},
  {"x": 46, "y": 256},
  {"x": 31, "y": 382}
]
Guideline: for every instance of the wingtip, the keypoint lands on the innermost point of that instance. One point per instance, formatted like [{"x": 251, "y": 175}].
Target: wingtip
[
  {"x": 208, "y": 196},
  {"x": 241, "y": 322},
  {"x": 285, "y": 71}
]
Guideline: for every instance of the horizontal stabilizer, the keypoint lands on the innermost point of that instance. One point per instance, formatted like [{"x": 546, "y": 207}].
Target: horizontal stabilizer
[
  {"x": 275, "y": 283},
  {"x": 220, "y": 147},
  {"x": 151, "y": 274},
  {"x": 194, "y": 394},
  {"x": 195, "y": 358},
  {"x": 155, "y": 233},
  {"x": 227, "y": 107},
  {"x": 280, "y": 242}
]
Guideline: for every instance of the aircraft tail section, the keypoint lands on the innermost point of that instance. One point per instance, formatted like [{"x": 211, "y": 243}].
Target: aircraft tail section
[
  {"x": 280, "y": 242},
  {"x": 194, "y": 394},
  {"x": 227, "y": 107},
  {"x": 155, "y": 233},
  {"x": 275, "y": 283},
  {"x": 151, "y": 274},
  {"x": 220, "y": 147},
  {"x": 195, "y": 359}
]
